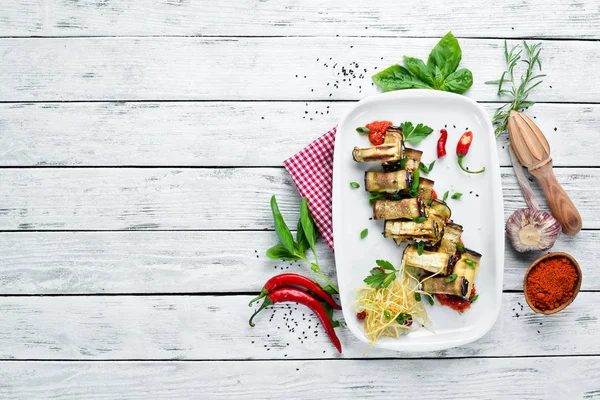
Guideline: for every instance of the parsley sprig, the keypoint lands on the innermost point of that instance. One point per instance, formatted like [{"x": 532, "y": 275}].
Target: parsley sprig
[
  {"x": 519, "y": 90},
  {"x": 414, "y": 134},
  {"x": 379, "y": 277}
]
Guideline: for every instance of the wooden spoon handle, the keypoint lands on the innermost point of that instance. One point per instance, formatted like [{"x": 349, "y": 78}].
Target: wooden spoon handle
[{"x": 561, "y": 205}]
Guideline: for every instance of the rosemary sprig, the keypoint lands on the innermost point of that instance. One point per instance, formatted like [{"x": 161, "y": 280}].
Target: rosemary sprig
[{"x": 521, "y": 90}]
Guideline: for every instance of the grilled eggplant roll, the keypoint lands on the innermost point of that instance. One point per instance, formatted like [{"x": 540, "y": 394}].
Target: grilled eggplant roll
[
  {"x": 467, "y": 267},
  {"x": 431, "y": 261},
  {"x": 387, "y": 182},
  {"x": 438, "y": 285},
  {"x": 450, "y": 238},
  {"x": 428, "y": 230},
  {"x": 425, "y": 187},
  {"x": 389, "y": 151},
  {"x": 399, "y": 209},
  {"x": 439, "y": 209},
  {"x": 413, "y": 157}
]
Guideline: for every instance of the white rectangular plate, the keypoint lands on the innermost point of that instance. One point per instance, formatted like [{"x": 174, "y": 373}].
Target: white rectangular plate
[{"x": 479, "y": 210}]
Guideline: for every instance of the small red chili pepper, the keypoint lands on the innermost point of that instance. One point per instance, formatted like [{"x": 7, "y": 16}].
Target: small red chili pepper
[
  {"x": 298, "y": 296},
  {"x": 441, "y": 144},
  {"x": 462, "y": 148},
  {"x": 287, "y": 280}
]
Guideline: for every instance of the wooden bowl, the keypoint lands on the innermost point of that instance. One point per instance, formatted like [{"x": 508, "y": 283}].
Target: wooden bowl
[{"x": 575, "y": 292}]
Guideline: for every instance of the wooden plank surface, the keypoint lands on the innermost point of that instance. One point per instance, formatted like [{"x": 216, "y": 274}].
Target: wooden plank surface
[
  {"x": 166, "y": 68},
  {"x": 22, "y": 17},
  {"x": 216, "y": 327},
  {"x": 522, "y": 378},
  {"x": 192, "y": 262},
  {"x": 193, "y": 133},
  {"x": 199, "y": 199},
  {"x": 512, "y": 18}
]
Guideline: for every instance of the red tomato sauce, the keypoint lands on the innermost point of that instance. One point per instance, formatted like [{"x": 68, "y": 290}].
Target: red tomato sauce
[{"x": 456, "y": 303}]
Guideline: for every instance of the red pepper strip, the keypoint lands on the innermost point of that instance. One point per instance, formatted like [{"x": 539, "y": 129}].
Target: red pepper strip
[
  {"x": 287, "y": 280},
  {"x": 298, "y": 296},
  {"x": 462, "y": 148},
  {"x": 441, "y": 144}
]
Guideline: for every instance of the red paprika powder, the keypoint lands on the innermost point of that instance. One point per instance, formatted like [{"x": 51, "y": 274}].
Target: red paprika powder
[{"x": 551, "y": 283}]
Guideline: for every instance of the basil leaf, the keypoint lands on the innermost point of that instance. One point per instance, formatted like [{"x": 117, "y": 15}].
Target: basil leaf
[
  {"x": 303, "y": 244},
  {"x": 420, "y": 247},
  {"x": 438, "y": 78},
  {"x": 475, "y": 297},
  {"x": 417, "y": 296},
  {"x": 430, "y": 300},
  {"x": 279, "y": 252},
  {"x": 420, "y": 220},
  {"x": 397, "y": 77},
  {"x": 385, "y": 265},
  {"x": 456, "y": 196},
  {"x": 329, "y": 312},
  {"x": 418, "y": 69},
  {"x": 402, "y": 163},
  {"x": 458, "y": 82},
  {"x": 431, "y": 166},
  {"x": 446, "y": 55},
  {"x": 423, "y": 168},
  {"x": 283, "y": 232},
  {"x": 308, "y": 225},
  {"x": 375, "y": 196},
  {"x": 354, "y": 185},
  {"x": 470, "y": 263},
  {"x": 387, "y": 315},
  {"x": 414, "y": 189},
  {"x": 445, "y": 196},
  {"x": 362, "y": 129},
  {"x": 460, "y": 247},
  {"x": 451, "y": 278},
  {"x": 364, "y": 233}
]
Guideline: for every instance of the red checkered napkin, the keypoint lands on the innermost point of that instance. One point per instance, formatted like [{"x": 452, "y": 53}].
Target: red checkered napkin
[{"x": 312, "y": 172}]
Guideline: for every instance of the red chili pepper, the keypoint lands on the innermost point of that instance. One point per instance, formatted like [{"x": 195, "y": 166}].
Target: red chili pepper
[
  {"x": 287, "y": 280},
  {"x": 298, "y": 296},
  {"x": 441, "y": 144},
  {"x": 462, "y": 148}
]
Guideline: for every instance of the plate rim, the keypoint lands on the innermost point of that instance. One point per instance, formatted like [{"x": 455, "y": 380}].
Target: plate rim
[{"x": 498, "y": 215}]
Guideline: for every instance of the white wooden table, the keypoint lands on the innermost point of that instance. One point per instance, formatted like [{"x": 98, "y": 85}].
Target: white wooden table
[{"x": 140, "y": 142}]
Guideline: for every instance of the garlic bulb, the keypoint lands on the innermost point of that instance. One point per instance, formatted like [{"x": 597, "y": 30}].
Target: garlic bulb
[{"x": 530, "y": 229}]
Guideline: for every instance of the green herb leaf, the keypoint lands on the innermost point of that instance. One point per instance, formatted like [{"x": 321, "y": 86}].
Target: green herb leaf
[
  {"x": 475, "y": 297},
  {"x": 430, "y": 300},
  {"x": 402, "y": 163},
  {"x": 470, "y": 263},
  {"x": 415, "y": 134},
  {"x": 279, "y": 252},
  {"x": 397, "y": 77},
  {"x": 402, "y": 318},
  {"x": 414, "y": 188},
  {"x": 445, "y": 197},
  {"x": 385, "y": 265},
  {"x": 380, "y": 279},
  {"x": 446, "y": 56},
  {"x": 308, "y": 225},
  {"x": 417, "y": 296},
  {"x": 354, "y": 185},
  {"x": 451, "y": 278},
  {"x": 375, "y": 196},
  {"x": 419, "y": 220},
  {"x": 420, "y": 247},
  {"x": 456, "y": 196},
  {"x": 363, "y": 130},
  {"x": 458, "y": 82},
  {"x": 329, "y": 312},
  {"x": 301, "y": 240},
  {"x": 418, "y": 69},
  {"x": 460, "y": 247},
  {"x": 387, "y": 315},
  {"x": 426, "y": 169},
  {"x": 364, "y": 233},
  {"x": 430, "y": 168},
  {"x": 281, "y": 229}
]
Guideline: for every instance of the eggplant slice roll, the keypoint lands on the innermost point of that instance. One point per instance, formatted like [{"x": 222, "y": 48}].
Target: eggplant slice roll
[
  {"x": 431, "y": 261},
  {"x": 399, "y": 209},
  {"x": 389, "y": 151}
]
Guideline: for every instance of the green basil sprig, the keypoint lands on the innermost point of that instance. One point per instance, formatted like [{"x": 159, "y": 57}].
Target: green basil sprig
[
  {"x": 439, "y": 73},
  {"x": 289, "y": 250}
]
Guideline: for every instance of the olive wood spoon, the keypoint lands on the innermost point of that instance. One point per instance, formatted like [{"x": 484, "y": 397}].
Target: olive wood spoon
[{"x": 532, "y": 149}]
